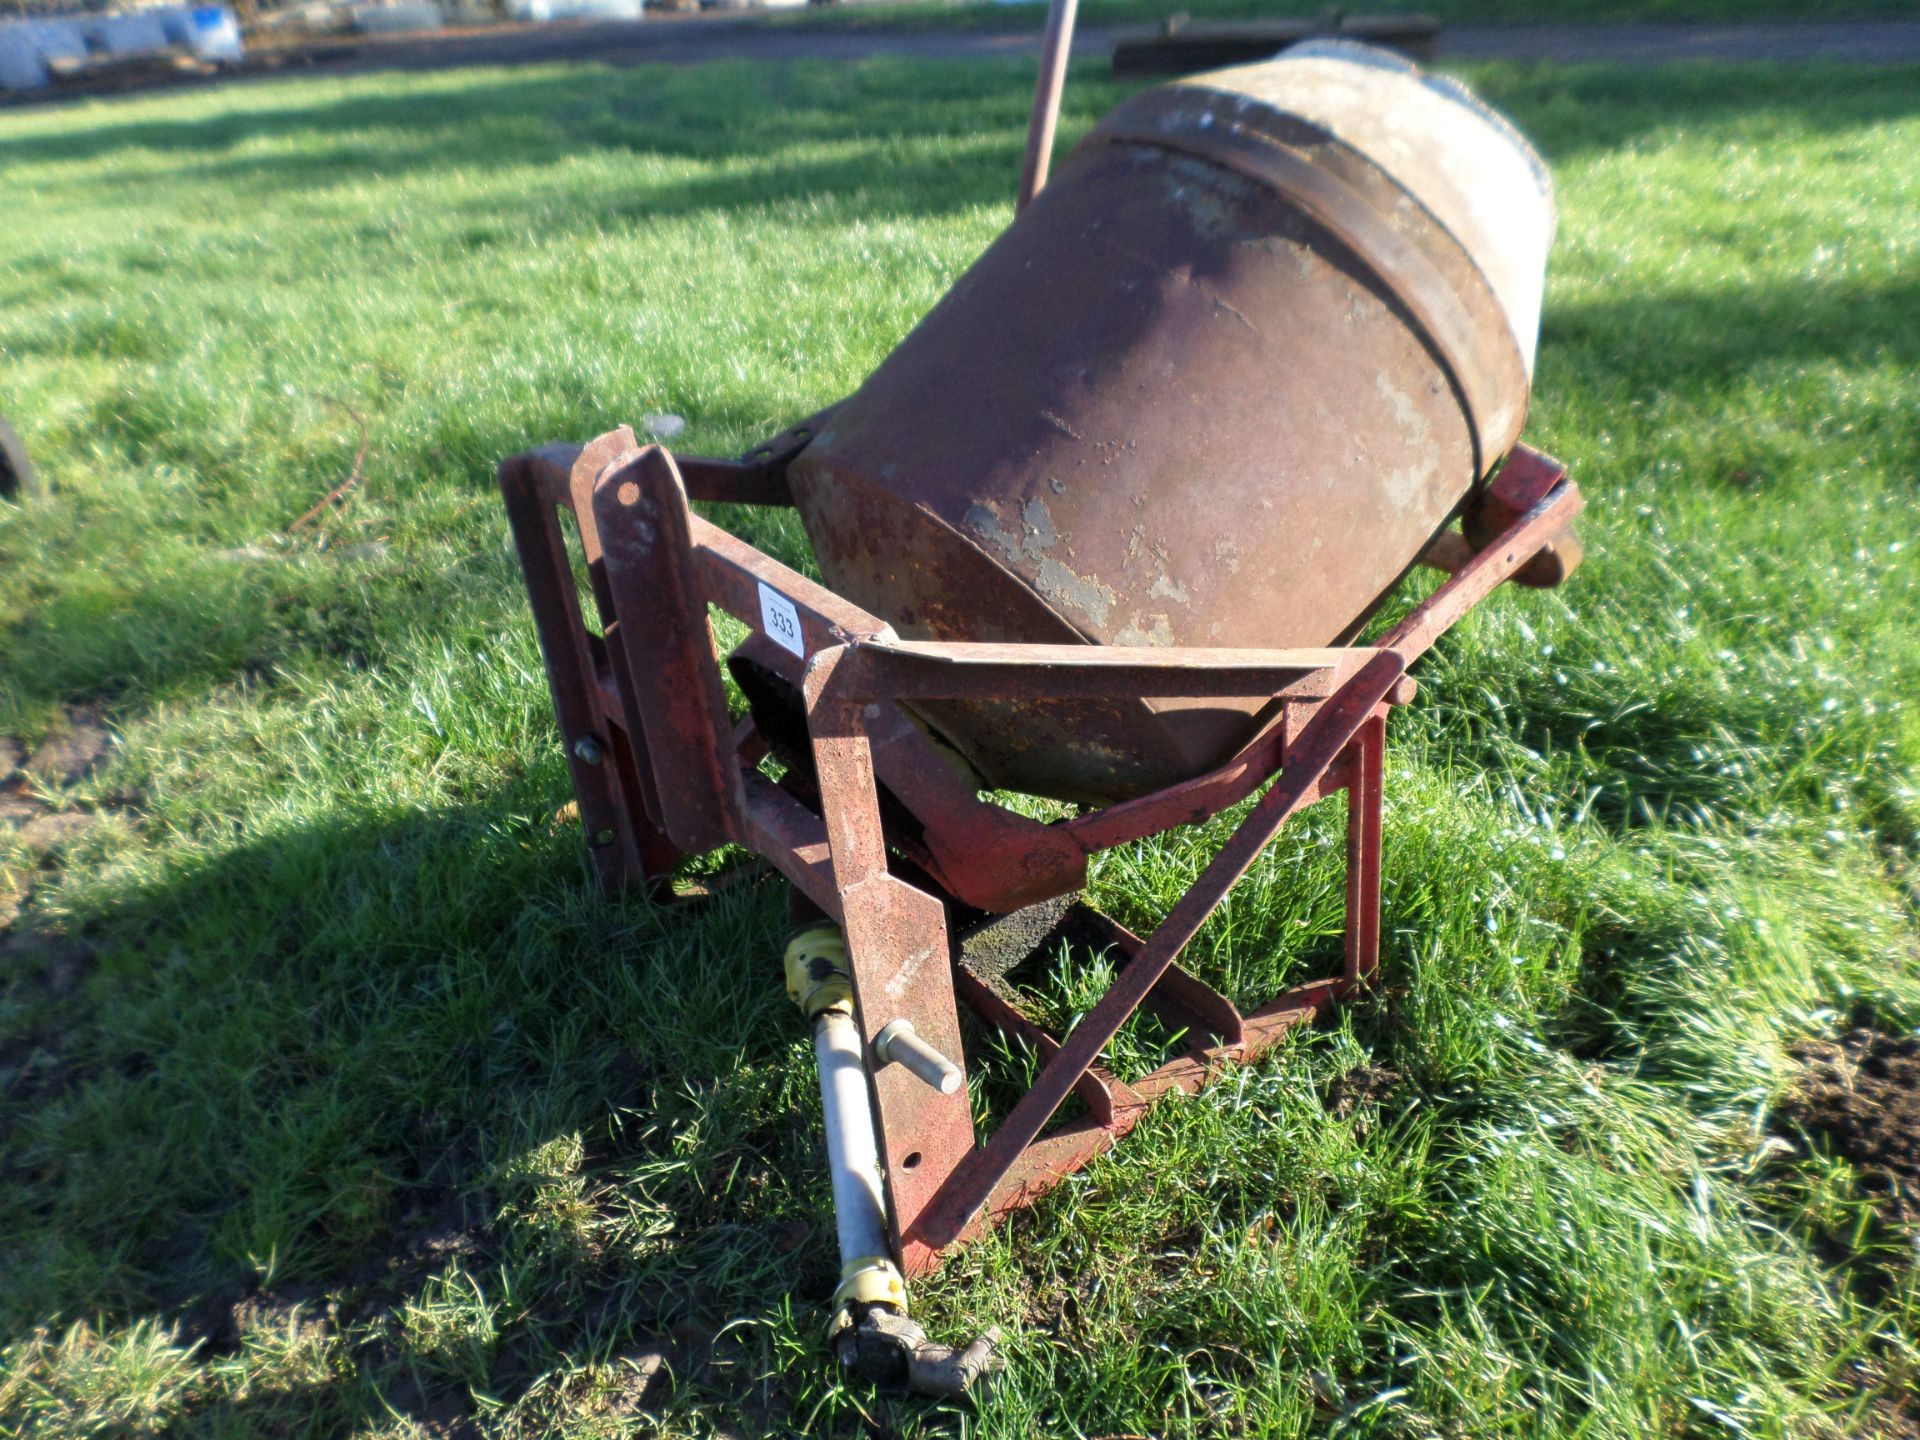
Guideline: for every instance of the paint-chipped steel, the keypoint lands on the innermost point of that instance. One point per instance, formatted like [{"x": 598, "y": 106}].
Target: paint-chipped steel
[
  {"x": 1116, "y": 549},
  {"x": 1221, "y": 384},
  {"x": 877, "y": 831}
]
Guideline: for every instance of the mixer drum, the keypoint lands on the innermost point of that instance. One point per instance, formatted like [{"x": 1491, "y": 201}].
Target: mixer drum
[{"x": 1220, "y": 384}]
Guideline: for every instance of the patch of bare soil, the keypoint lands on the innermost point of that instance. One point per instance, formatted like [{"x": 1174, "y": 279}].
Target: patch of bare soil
[
  {"x": 73, "y": 751},
  {"x": 31, "y": 783},
  {"x": 1861, "y": 1097},
  {"x": 1895, "y": 1420},
  {"x": 43, "y": 966},
  {"x": 40, "y": 967},
  {"x": 1362, "y": 1095}
]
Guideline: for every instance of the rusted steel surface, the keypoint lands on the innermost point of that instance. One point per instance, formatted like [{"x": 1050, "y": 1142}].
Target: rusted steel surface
[
  {"x": 1523, "y": 482},
  {"x": 1322, "y": 741},
  {"x": 1095, "y": 1087},
  {"x": 1236, "y": 419},
  {"x": 1421, "y": 268},
  {"x": 734, "y": 482},
  {"x": 910, "y": 670},
  {"x": 1545, "y": 522},
  {"x": 640, "y": 511},
  {"x": 897, "y": 949},
  {"x": 1130, "y": 493},
  {"x": 882, "y": 831},
  {"x": 1366, "y": 759},
  {"x": 610, "y": 655},
  {"x": 742, "y": 581},
  {"x": 1048, "y": 1161},
  {"x": 626, "y": 846},
  {"x": 1179, "y": 1000},
  {"x": 793, "y": 839}
]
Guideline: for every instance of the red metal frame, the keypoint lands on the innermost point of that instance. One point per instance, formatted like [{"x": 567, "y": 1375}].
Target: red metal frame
[{"x": 662, "y": 769}]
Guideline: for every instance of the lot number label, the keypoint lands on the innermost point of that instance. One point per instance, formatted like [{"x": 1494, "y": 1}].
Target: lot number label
[{"x": 781, "y": 621}]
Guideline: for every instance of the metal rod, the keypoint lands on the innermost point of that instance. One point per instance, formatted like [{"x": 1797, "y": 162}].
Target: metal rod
[
  {"x": 898, "y": 1042},
  {"x": 853, "y": 1154},
  {"x": 1056, "y": 48}
]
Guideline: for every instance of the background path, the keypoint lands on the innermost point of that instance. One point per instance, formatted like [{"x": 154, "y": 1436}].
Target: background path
[{"x": 692, "y": 39}]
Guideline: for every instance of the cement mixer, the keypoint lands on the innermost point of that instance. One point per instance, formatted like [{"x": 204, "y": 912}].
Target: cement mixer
[
  {"x": 1221, "y": 384},
  {"x": 1108, "y": 526}
]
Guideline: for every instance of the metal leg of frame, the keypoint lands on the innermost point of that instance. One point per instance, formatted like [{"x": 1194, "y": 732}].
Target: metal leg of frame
[
  {"x": 902, "y": 970},
  {"x": 1364, "y": 794},
  {"x": 626, "y": 850}
]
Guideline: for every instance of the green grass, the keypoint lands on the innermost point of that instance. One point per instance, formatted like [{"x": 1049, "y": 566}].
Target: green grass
[
  {"x": 361, "y": 1051},
  {"x": 990, "y": 15}
]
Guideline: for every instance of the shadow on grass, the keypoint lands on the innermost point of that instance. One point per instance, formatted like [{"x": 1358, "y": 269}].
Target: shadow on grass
[
  {"x": 352, "y": 1065},
  {"x": 737, "y": 108},
  {"x": 1576, "y": 110},
  {"x": 1704, "y": 727},
  {"x": 189, "y": 629},
  {"x": 539, "y": 117},
  {"x": 1698, "y": 343},
  {"x": 766, "y": 117}
]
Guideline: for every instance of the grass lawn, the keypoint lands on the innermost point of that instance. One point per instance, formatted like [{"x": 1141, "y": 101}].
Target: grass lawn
[{"x": 334, "y": 1101}]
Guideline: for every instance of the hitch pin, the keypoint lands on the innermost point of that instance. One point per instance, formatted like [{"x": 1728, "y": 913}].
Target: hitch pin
[{"x": 899, "y": 1042}]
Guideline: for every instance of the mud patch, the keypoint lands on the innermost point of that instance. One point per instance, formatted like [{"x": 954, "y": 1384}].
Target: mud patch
[
  {"x": 439, "y": 1227},
  {"x": 216, "y": 1324},
  {"x": 1860, "y": 1097},
  {"x": 1894, "y": 1419},
  {"x": 1359, "y": 1092},
  {"x": 361, "y": 1309},
  {"x": 41, "y": 968},
  {"x": 76, "y": 748},
  {"x": 31, "y": 783},
  {"x": 46, "y": 957},
  {"x": 51, "y": 831}
]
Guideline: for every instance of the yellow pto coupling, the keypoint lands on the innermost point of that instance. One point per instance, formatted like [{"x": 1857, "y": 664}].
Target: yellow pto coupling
[
  {"x": 867, "y": 1280},
  {"x": 817, "y": 975}
]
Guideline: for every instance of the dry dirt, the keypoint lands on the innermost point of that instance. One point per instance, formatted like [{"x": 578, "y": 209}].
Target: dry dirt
[
  {"x": 1860, "y": 1097},
  {"x": 41, "y": 965},
  {"x": 32, "y": 782}
]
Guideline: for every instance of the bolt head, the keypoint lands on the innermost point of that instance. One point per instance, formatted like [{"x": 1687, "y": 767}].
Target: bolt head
[{"x": 587, "y": 750}]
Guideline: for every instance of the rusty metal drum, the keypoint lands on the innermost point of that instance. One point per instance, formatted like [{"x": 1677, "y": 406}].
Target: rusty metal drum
[{"x": 1221, "y": 383}]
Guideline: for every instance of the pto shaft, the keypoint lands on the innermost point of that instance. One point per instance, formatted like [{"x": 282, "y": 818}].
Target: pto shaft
[{"x": 871, "y": 1330}]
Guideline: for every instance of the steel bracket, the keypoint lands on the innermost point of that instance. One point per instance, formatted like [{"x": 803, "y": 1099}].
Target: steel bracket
[{"x": 876, "y": 831}]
